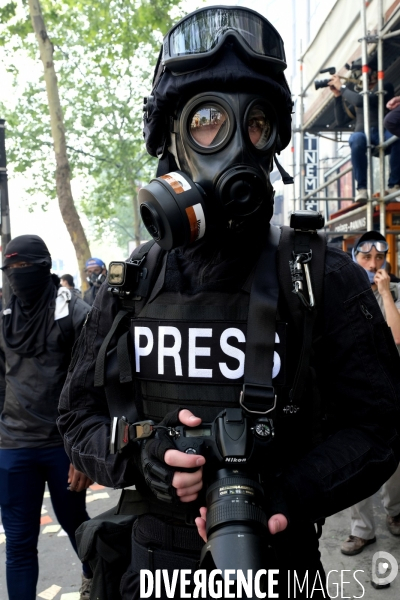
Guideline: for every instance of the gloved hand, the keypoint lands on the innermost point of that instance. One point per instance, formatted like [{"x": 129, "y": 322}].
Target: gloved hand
[{"x": 160, "y": 462}]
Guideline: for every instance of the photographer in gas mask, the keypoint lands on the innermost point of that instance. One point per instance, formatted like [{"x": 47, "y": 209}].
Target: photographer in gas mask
[
  {"x": 96, "y": 274},
  {"x": 208, "y": 307},
  {"x": 358, "y": 140}
]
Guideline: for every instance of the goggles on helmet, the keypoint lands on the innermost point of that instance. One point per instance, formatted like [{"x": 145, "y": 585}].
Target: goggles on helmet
[
  {"x": 380, "y": 245},
  {"x": 192, "y": 43}
]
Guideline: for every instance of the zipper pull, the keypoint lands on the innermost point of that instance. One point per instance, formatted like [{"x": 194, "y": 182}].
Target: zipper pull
[{"x": 366, "y": 312}]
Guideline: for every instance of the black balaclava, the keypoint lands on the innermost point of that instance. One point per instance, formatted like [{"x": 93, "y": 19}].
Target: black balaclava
[
  {"x": 30, "y": 313},
  {"x": 233, "y": 177}
]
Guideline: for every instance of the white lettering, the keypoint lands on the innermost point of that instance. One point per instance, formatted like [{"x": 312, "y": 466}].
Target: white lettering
[
  {"x": 146, "y": 583},
  {"x": 334, "y": 584},
  {"x": 185, "y": 573},
  {"x": 216, "y": 584},
  {"x": 342, "y": 582},
  {"x": 359, "y": 582},
  {"x": 215, "y": 587},
  {"x": 232, "y": 351},
  {"x": 194, "y": 333},
  {"x": 169, "y": 350},
  {"x": 310, "y": 156},
  {"x": 272, "y": 582},
  {"x": 145, "y": 350},
  {"x": 320, "y": 588},
  {"x": 229, "y": 583},
  {"x": 305, "y": 583},
  {"x": 170, "y": 587},
  {"x": 257, "y": 589},
  {"x": 200, "y": 581},
  {"x": 311, "y": 171},
  {"x": 277, "y": 360},
  {"x": 310, "y": 184},
  {"x": 243, "y": 584}
]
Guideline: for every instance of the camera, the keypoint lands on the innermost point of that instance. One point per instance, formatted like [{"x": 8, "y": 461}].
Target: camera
[
  {"x": 237, "y": 526},
  {"x": 124, "y": 277},
  {"x": 323, "y": 83}
]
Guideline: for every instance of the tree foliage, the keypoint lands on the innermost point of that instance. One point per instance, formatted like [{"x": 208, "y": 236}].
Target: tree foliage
[{"x": 104, "y": 52}]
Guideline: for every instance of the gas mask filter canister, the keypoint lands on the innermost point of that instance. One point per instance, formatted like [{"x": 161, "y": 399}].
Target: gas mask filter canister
[{"x": 173, "y": 210}]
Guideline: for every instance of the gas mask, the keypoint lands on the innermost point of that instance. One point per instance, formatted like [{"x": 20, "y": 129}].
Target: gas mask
[
  {"x": 96, "y": 279},
  {"x": 223, "y": 145}
]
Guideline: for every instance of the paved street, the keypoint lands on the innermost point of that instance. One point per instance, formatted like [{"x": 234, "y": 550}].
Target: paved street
[
  {"x": 59, "y": 567},
  {"x": 60, "y": 570}
]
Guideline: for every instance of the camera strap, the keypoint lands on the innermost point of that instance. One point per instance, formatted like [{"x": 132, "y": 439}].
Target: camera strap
[
  {"x": 258, "y": 394},
  {"x": 306, "y": 318}
]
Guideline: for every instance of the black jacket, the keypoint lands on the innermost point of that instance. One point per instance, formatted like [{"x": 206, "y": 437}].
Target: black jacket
[
  {"x": 32, "y": 386},
  {"x": 392, "y": 121},
  {"x": 356, "y": 102},
  {"x": 91, "y": 294},
  {"x": 357, "y": 368}
]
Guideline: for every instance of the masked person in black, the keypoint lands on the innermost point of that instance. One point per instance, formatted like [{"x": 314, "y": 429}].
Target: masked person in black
[
  {"x": 96, "y": 274},
  {"x": 37, "y": 330},
  {"x": 209, "y": 336}
]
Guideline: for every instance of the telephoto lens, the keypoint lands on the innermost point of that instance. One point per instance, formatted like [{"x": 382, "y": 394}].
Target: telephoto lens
[
  {"x": 321, "y": 83},
  {"x": 237, "y": 526}
]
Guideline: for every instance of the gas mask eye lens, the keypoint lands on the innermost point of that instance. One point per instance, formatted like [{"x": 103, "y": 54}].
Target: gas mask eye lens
[
  {"x": 208, "y": 125},
  {"x": 259, "y": 128}
]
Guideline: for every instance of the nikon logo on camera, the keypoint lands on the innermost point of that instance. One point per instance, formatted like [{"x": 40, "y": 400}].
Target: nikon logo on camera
[{"x": 235, "y": 460}]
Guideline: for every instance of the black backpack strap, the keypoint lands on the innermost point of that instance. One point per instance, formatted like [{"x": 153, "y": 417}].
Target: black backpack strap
[
  {"x": 147, "y": 258},
  {"x": 296, "y": 247},
  {"x": 258, "y": 393},
  {"x": 113, "y": 367}
]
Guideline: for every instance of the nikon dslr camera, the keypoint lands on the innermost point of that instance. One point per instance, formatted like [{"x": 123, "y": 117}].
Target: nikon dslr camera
[{"x": 237, "y": 526}]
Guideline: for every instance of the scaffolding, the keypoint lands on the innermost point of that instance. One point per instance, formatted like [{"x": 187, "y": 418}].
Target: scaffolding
[{"x": 378, "y": 199}]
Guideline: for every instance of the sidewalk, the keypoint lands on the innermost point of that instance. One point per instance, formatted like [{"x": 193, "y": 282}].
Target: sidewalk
[
  {"x": 336, "y": 530},
  {"x": 60, "y": 571}
]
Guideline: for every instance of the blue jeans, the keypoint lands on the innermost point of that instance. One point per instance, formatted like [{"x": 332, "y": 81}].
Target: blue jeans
[
  {"x": 358, "y": 147},
  {"x": 23, "y": 474}
]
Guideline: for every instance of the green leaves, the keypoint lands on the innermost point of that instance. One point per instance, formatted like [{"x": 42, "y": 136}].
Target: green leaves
[
  {"x": 7, "y": 11},
  {"x": 104, "y": 56}
]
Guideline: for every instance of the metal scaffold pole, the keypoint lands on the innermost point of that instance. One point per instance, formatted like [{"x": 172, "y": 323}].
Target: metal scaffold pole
[
  {"x": 365, "y": 94},
  {"x": 301, "y": 149},
  {"x": 381, "y": 111}
]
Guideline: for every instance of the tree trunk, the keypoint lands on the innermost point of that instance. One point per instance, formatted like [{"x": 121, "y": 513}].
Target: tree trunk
[
  {"x": 63, "y": 172},
  {"x": 136, "y": 213}
]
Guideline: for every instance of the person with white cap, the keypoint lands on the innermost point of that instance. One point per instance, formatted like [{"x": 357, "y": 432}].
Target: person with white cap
[{"x": 370, "y": 253}]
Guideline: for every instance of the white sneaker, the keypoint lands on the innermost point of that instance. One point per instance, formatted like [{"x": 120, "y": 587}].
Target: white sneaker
[
  {"x": 361, "y": 195},
  {"x": 393, "y": 189}
]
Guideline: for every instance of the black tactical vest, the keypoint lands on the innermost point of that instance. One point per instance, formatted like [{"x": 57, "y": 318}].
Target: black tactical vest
[{"x": 189, "y": 351}]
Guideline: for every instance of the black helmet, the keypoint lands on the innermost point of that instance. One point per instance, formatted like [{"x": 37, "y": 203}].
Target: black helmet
[{"x": 191, "y": 59}]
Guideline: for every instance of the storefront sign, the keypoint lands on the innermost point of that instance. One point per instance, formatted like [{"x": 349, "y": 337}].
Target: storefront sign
[
  {"x": 311, "y": 169},
  {"x": 349, "y": 223}
]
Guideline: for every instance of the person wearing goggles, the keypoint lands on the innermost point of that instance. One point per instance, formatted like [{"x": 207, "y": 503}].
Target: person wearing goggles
[
  {"x": 218, "y": 113},
  {"x": 370, "y": 253},
  {"x": 96, "y": 274}
]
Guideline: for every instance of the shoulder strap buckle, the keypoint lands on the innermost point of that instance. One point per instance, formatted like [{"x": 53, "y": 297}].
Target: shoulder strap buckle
[
  {"x": 257, "y": 398},
  {"x": 123, "y": 432}
]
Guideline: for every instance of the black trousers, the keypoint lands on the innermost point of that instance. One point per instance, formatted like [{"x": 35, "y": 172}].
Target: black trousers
[{"x": 294, "y": 554}]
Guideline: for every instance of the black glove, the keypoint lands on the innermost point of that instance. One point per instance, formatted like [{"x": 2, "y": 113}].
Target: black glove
[{"x": 157, "y": 473}]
